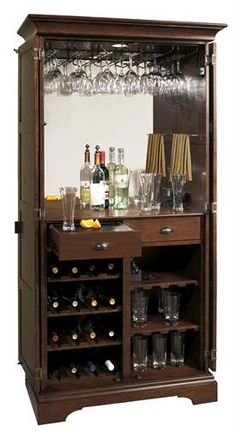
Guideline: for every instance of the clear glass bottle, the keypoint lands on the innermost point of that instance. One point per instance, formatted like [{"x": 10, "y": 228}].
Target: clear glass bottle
[
  {"x": 97, "y": 184},
  {"x": 111, "y": 168},
  {"x": 121, "y": 183},
  {"x": 85, "y": 180},
  {"x": 106, "y": 174}
]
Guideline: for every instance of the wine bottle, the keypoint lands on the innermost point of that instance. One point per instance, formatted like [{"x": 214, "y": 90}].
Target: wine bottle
[
  {"x": 92, "y": 270},
  {"x": 88, "y": 328},
  {"x": 106, "y": 175},
  {"x": 111, "y": 168},
  {"x": 108, "y": 299},
  {"x": 53, "y": 301},
  {"x": 121, "y": 183},
  {"x": 54, "y": 270},
  {"x": 97, "y": 184},
  {"x": 92, "y": 367},
  {"x": 91, "y": 298},
  {"x": 107, "y": 331},
  {"x": 85, "y": 173},
  {"x": 73, "y": 301},
  {"x": 73, "y": 270},
  {"x": 74, "y": 369},
  {"x": 54, "y": 336},
  {"x": 109, "y": 365},
  {"x": 74, "y": 334}
]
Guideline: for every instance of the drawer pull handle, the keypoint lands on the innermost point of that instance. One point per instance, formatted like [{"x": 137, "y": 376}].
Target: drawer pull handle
[
  {"x": 166, "y": 230},
  {"x": 101, "y": 246}
]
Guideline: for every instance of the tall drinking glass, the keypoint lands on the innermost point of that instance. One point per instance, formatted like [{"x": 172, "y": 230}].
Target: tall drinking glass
[
  {"x": 146, "y": 191},
  {"x": 171, "y": 308},
  {"x": 178, "y": 181},
  {"x": 139, "y": 305},
  {"x": 139, "y": 353},
  {"x": 177, "y": 348},
  {"x": 159, "y": 350},
  {"x": 68, "y": 196}
]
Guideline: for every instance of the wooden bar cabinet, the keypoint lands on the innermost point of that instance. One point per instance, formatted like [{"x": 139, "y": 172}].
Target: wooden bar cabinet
[{"x": 182, "y": 256}]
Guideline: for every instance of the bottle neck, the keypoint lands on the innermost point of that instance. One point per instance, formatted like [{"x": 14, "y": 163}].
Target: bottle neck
[
  {"x": 87, "y": 157},
  {"x": 112, "y": 156},
  {"x": 97, "y": 159},
  {"x": 121, "y": 158},
  {"x": 102, "y": 158}
]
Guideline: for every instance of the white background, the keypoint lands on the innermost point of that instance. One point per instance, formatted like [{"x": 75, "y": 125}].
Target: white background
[{"x": 161, "y": 414}]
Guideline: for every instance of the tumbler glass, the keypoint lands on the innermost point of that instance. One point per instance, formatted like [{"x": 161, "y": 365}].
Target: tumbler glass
[
  {"x": 68, "y": 196},
  {"x": 177, "y": 348},
  {"x": 171, "y": 307},
  {"x": 139, "y": 305},
  {"x": 146, "y": 180},
  {"x": 178, "y": 181},
  {"x": 139, "y": 353},
  {"x": 156, "y": 191},
  {"x": 159, "y": 351},
  {"x": 163, "y": 292}
]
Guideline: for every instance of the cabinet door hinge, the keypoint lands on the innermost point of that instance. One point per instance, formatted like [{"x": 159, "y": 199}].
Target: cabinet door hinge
[
  {"x": 210, "y": 59},
  {"x": 39, "y": 214},
  {"x": 38, "y": 374},
  {"x": 38, "y": 54},
  {"x": 211, "y": 207}
]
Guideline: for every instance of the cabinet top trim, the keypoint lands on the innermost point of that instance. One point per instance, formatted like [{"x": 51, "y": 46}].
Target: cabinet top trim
[{"x": 66, "y": 26}]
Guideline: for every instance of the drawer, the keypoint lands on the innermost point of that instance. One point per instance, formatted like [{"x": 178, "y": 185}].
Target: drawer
[
  {"x": 110, "y": 241},
  {"x": 168, "y": 229}
]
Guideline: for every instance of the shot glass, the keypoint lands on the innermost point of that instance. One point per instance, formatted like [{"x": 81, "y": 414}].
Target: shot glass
[
  {"x": 146, "y": 180},
  {"x": 139, "y": 306},
  {"x": 156, "y": 191},
  {"x": 159, "y": 351},
  {"x": 171, "y": 307},
  {"x": 178, "y": 182},
  {"x": 177, "y": 348},
  {"x": 139, "y": 353},
  {"x": 68, "y": 196}
]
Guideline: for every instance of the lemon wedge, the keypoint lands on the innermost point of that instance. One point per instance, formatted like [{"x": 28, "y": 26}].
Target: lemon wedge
[
  {"x": 96, "y": 224},
  {"x": 87, "y": 223}
]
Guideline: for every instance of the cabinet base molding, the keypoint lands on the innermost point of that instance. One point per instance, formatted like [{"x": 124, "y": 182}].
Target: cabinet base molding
[{"x": 50, "y": 407}]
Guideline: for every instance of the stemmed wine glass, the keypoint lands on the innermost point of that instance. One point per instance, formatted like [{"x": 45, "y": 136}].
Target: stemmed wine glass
[
  {"x": 78, "y": 76},
  {"x": 132, "y": 80},
  {"x": 52, "y": 77},
  {"x": 65, "y": 82}
]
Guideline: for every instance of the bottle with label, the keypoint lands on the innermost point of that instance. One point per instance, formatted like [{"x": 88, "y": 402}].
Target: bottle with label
[
  {"x": 97, "y": 184},
  {"x": 106, "y": 174},
  {"x": 121, "y": 183},
  {"x": 111, "y": 168},
  {"x": 85, "y": 180}
]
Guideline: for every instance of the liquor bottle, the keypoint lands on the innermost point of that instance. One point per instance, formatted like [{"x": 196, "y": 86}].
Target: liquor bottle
[
  {"x": 85, "y": 180},
  {"x": 106, "y": 175},
  {"x": 121, "y": 183},
  {"x": 97, "y": 184},
  {"x": 54, "y": 270},
  {"x": 111, "y": 168},
  {"x": 53, "y": 301}
]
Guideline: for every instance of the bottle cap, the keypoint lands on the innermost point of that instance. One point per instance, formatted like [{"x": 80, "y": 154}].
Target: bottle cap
[
  {"x": 112, "y": 301},
  {"x": 75, "y": 303},
  {"x": 74, "y": 270},
  {"x": 55, "y": 304},
  {"x": 102, "y": 157},
  {"x": 74, "y": 336},
  {"x": 55, "y": 270},
  {"x": 73, "y": 370},
  {"x": 111, "y": 333},
  {"x": 92, "y": 335},
  {"x": 94, "y": 303}
]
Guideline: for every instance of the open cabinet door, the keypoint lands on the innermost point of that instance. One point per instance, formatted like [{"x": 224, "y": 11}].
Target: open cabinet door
[
  {"x": 29, "y": 209},
  {"x": 213, "y": 206}
]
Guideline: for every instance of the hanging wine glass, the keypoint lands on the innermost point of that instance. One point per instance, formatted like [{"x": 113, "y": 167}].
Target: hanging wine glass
[
  {"x": 132, "y": 81},
  {"x": 77, "y": 76},
  {"x": 156, "y": 80},
  {"x": 53, "y": 77},
  {"x": 145, "y": 80},
  {"x": 65, "y": 82},
  {"x": 87, "y": 85}
]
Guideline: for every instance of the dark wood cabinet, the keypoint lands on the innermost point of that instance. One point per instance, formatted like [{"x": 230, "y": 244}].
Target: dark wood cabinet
[{"x": 177, "y": 250}]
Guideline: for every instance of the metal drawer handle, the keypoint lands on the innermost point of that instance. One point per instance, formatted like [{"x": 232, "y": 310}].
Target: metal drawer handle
[
  {"x": 101, "y": 246},
  {"x": 166, "y": 230}
]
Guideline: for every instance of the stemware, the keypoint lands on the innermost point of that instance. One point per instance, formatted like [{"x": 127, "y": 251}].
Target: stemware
[
  {"x": 78, "y": 76},
  {"x": 65, "y": 82},
  {"x": 52, "y": 77},
  {"x": 132, "y": 81}
]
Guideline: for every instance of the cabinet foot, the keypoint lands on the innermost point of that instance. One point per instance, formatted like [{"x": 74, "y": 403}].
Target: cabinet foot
[{"x": 199, "y": 394}]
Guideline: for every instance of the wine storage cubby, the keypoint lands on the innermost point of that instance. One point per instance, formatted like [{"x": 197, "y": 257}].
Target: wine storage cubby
[{"x": 77, "y": 290}]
